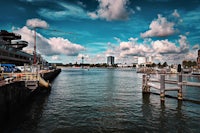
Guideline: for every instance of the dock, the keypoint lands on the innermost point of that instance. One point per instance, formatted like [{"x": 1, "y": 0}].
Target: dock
[{"x": 161, "y": 83}]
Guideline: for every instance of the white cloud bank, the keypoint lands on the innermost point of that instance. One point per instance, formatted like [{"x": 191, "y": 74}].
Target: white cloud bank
[
  {"x": 111, "y": 10},
  {"x": 162, "y": 50}
]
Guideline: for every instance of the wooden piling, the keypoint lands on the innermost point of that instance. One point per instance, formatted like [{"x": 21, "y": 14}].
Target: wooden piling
[
  {"x": 147, "y": 82},
  {"x": 145, "y": 87},
  {"x": 180, "y": 91},
  {"x": 162, "y": 87}
]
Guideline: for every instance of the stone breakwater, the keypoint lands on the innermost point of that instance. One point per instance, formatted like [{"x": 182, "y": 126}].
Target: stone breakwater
[{"x": 14, "y": 96}]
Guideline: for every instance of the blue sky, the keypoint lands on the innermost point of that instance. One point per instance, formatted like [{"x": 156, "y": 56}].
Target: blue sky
[{"x": 168, "y": 30}]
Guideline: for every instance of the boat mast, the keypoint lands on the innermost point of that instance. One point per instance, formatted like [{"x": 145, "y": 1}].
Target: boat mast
[{"x": 35, "y": 60}]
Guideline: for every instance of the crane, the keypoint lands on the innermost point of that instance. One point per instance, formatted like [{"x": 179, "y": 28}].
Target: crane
[{"x": 34, "y": 28}]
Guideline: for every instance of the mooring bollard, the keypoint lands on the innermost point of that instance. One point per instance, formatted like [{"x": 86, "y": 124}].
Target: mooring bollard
[
  {"x": 145, "y": 87},
  {"x": 180, "y": 91},
  {"x": 162, "y": 87}
]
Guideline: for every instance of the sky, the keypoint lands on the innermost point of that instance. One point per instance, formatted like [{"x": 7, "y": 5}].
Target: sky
[{"x": 67, "y": 30}]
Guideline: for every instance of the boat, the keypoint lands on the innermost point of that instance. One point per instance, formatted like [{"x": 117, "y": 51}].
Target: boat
[{"x": 195, "y": 72}]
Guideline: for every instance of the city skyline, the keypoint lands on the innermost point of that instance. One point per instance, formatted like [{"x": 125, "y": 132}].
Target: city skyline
[{"x": 167, "y": 30}]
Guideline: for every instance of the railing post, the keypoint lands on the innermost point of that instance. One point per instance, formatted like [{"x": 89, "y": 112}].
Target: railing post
[
  {"x": 180, "y": 91},
  {"x": 145, "y": 87},
  {"x": 162, "y": 87}
]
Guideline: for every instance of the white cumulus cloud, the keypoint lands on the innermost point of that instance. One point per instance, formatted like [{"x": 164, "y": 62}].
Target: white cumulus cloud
[
  {"x": 167, "y": 47},
  {"x": 35, "y": 22},
  {"x": 164, "y": 47},
  {"x": 159, "y": 28},
  {"x": 111, "y": 10},
  {"x": 64, "y": 46},
  {"x": 28, "y": 35},
  {"x": 129, "y": 48},
  {"x": 184, "y": 44},
  {"x": 49, "y": 46}
]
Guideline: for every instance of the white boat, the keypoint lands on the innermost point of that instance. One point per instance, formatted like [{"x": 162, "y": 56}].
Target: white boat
[{"x": 195, "y": 72}]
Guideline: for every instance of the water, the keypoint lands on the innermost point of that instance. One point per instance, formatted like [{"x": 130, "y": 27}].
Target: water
[{"x": 105, "y": 100}]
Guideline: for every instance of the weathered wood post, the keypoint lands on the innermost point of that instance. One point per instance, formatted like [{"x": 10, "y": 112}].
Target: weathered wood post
[
  {"x": 145, "y": 87},
  {"x": 162, "y": 87},
  {"x": 180, "y": 91}
]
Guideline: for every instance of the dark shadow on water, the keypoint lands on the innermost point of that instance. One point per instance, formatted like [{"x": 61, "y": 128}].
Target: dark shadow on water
[
  {"x": 83, "y": 129},
  {"x": 161, "y": 115},
  {"x": 25, "y": 118}
]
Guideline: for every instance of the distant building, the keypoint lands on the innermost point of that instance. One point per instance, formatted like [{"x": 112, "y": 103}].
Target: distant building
[
  {"x": 142, "y": 60},
  {"x": 150, "y": 59},
  {"x": 110, "y": 60},
  {"x": 198, "y": 59},
  {"x": 145, "y": 60}
]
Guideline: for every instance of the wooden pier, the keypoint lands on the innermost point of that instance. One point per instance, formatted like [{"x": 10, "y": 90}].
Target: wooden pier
[
  {"x": 148, "y": 82},
  {"x": 32, "y": 76}
]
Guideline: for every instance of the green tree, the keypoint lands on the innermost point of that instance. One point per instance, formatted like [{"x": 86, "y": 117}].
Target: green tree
[
  {"x": 194, "y": 63},
  {"x": 159, "y": 64},
  {"x": 189, "y": 64},
  {"x": 184, "y": 63},
  {"x": 165, "y": 64},
  {"x": 154, "y": 65}
]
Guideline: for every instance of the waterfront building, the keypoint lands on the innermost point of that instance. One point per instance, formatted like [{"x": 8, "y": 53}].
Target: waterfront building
[
  {"x": 11, "y": 47},
  {"x": 198, "y": 59},
  {"x": 11, "y": 51},
  {"x": 110, "y": 60}
]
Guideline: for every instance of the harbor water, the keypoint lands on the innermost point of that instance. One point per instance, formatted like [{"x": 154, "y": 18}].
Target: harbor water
[{"x": 105, "y": 100}]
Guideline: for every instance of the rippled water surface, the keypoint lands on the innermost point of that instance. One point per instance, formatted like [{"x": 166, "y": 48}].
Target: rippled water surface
[{"x": 107, "y": 100}]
